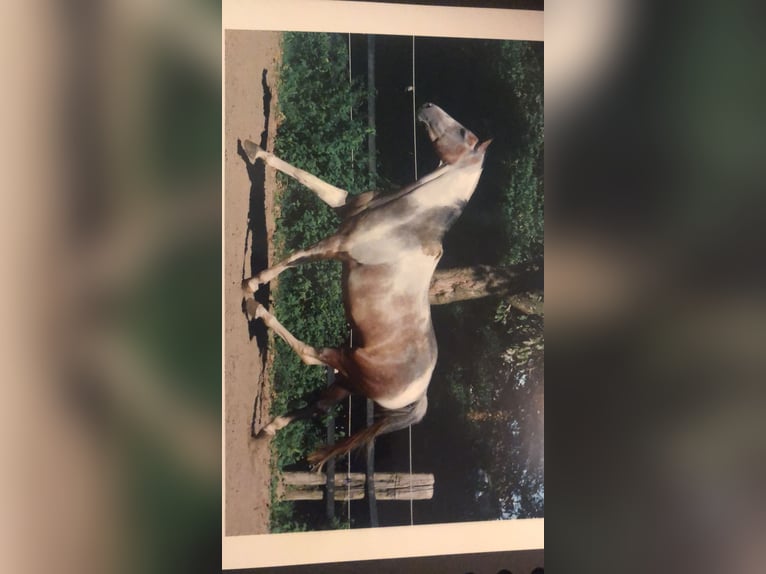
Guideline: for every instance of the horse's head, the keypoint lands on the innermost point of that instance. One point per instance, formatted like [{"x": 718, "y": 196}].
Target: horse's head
[{"x": 452, "y": 142}]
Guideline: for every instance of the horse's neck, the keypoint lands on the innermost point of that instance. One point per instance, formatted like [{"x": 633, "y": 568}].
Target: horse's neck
[
  {"x": 447, "y": 186},
  {"x": 449, "y": 172}
]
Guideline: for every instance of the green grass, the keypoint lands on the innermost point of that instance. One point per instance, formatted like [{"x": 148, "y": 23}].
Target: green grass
[{"x": 317, "y": 134}]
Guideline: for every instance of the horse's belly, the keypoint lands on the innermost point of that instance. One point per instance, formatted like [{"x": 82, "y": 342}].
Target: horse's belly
[
  {"x": 409, "y": 394},
  {"x": 397, "y": 372}
]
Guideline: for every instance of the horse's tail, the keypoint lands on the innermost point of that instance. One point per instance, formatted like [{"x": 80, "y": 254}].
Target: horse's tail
[{"x": 387, "y": 420}]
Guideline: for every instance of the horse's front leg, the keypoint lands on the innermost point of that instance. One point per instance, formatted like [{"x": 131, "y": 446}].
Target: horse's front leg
[
  {"x": 331, "y": 195},
  {"x": 329, "y": 248}
]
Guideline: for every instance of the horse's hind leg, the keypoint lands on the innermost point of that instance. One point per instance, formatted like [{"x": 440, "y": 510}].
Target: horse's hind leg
[
  {"x": 331, "y": 396},
  {"x": 326, "y": 249},
  {"x": 308, "y": 354},
  {"x": 331, "y": 195}
]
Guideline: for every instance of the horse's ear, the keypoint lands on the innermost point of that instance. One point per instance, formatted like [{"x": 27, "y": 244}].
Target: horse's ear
[{"x": 483, "y": 146}]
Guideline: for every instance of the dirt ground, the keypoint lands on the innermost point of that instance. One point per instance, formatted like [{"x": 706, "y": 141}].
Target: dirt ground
[{"x": 251, "y": 65}]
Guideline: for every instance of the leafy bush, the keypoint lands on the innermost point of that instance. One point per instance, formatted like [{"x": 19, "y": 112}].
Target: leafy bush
[
  {"x": 282, "y": 518},
  {"x": 519, "y": 67}
]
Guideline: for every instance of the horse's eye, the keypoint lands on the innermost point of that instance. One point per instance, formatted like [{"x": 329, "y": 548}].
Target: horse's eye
[{"x": 462, "y": 132}]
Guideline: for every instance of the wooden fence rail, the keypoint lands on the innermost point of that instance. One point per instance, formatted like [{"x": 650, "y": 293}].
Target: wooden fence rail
[{"x": 388, "y": 486}]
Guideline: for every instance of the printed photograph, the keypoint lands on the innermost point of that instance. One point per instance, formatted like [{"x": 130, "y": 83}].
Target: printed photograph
[{"x": 383, "y": 281}]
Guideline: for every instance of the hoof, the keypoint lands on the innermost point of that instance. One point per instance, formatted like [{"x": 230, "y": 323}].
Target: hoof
[
  {"x": 253, "y": 150},
  {"x": 254, "y": 308},
  {"x": 250, "y": 286}
]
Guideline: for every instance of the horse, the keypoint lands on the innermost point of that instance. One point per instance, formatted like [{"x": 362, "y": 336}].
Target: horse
[{"x": 389, "y": 246}]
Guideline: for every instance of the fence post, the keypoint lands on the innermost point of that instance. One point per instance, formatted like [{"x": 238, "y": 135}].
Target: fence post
[
  {"x": 371, "y": 497},
  {"x": 330, "y": 486}
]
